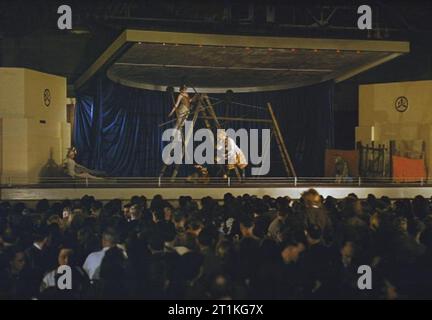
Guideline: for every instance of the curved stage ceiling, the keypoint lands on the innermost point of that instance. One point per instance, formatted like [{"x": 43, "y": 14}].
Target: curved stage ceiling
[{"x": 215, "y": 63}]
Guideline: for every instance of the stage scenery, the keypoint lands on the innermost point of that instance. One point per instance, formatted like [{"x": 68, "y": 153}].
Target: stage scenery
[{"x": 215, "y": 150}]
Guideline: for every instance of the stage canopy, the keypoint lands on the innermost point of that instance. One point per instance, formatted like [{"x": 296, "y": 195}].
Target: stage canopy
[{"x": 215, "y": 63}]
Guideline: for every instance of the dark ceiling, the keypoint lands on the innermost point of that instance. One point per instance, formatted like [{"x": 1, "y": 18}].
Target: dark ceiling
[{"x": 29, "y": 36}]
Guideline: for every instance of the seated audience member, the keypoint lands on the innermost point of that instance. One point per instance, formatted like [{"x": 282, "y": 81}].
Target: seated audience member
[
  {"x": 113, "y": 277},
  {"x": 79, "y": 281},
  {"x": 36, "y": 258},
  {"x": 241, "y": 247},
  {"x": 277, "y": 225},
  {"x": 14, "y": 277},
  {"x": 316, "y": 261},
  {"x": 93, "y": 262}
]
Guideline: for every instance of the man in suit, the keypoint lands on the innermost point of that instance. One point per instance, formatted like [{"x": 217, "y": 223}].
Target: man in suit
[{"x": 36, "y": 258}]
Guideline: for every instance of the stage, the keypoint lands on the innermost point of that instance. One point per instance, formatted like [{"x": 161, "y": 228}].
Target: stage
[{"x": 125, "y": 188}]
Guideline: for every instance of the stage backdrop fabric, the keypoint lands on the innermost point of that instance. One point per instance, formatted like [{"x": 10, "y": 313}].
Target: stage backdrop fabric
[
  {"x": 350, "y": 156},
  {"x": 117, "y": 127}
]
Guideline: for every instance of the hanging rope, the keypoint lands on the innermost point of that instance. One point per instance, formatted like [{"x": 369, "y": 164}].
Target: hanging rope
[{"x": 240, "y": 104}]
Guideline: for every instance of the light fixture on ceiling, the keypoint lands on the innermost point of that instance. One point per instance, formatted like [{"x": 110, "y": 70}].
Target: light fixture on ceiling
[{"x": 80, "y": 30}]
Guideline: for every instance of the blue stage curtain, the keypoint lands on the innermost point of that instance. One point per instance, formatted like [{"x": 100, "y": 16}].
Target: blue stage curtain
[
  {"x": 306, "y": 120},
  {"x": 82, "y": 138},
  {"x": 116, "y": 129}
]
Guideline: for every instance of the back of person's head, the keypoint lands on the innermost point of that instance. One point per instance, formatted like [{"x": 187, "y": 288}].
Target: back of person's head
[
  {"x": 42, "y": 206},
  {"x": 86, "y": 202},
  {"x": 282, "y": 203},
  {"x": 156, "y": 241},
  {"x": 228, "y": 197},
  {"x": 311, "y": 198},
  {"x": 179, "y": 217},
  {"x": 135, "y": 200},
  {"x": 158, "y": 214},
  {"x": 283, "y": 212},
  {"x": 351, "y": 207},
  {"x": 246, "y": 221},
  {"x": 40, "y": 233},
  {"x": 386, "y": 200},
  {"x": 261, "y": 225},
  {"x": 113, "y": 264},
  {"x": 313, "y": 232},
  {"x": 109, "y": 237},
  {"x": 156, "y": 202},
  {"x": 182, "y": 201},
  {"x": 420, "y": 207},
  {"x": 96, "y": 205},
  {"x": 207, "y": 237},
  {"x": 194, "y": 225},
  {"x": 143, "y": 202},
  {"x": 167, "y": 230}
]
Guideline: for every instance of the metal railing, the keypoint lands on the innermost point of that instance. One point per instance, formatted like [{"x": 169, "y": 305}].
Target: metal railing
[{"x": 159, "y": 182}]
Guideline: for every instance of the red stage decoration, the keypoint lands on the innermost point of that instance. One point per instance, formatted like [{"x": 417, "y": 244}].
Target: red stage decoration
[
  {"x": 350, "y": 156},
  {"x": 408, "y": 170}
]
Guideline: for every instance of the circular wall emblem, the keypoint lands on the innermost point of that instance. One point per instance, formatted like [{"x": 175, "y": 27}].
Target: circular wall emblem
[
  {"x": 47, "y": 97},
  {"x": 401, "y": 104}
]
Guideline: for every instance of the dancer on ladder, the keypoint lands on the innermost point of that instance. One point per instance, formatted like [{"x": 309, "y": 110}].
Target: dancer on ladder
[{"x": 182, "y": 107}]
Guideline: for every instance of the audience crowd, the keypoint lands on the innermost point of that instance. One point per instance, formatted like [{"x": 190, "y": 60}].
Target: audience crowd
[{"x": 241, "y": 247}]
